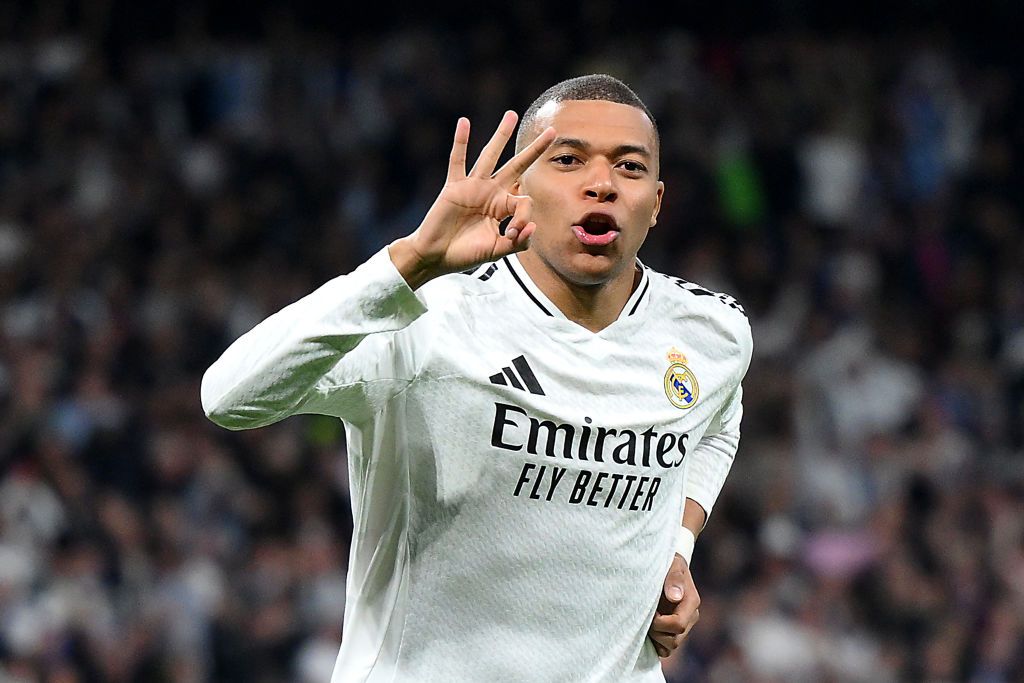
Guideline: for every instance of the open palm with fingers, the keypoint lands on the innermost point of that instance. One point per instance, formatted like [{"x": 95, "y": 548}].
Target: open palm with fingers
[{"x": 461, "y": 228}]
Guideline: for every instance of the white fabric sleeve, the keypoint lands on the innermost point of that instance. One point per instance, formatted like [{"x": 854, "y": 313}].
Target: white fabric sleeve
[
  {"x": 302, "y": 359},
  {"x": 711, "y": 460}
]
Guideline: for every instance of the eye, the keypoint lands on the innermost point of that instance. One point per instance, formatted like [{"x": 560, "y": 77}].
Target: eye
[
  {"x": 565, "y": 160},
  {"x": 633, "y": 167}
]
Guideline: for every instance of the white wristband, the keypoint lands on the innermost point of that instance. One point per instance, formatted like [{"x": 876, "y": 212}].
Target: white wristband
[{"x": 685, "y": 540}]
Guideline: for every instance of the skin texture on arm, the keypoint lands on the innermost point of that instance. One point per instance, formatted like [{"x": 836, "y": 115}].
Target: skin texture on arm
[{"x": 694, "y": 517}]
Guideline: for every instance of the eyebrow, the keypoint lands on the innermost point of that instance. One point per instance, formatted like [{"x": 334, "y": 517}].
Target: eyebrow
[{"x": 618, "y": 151}]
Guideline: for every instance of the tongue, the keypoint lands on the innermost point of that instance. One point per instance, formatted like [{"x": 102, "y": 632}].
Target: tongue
[{"x": 594, "y": 240}]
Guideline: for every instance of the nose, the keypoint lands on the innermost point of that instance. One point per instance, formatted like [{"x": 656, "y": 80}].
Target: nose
[{"x": 600, "y": 182}]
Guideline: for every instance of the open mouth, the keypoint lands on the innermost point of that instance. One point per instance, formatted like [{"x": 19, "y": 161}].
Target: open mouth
[{"x": 596, "y": 229}]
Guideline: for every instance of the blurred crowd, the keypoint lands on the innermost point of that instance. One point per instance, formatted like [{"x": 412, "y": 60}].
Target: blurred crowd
[{"x": 859, "y": 194}]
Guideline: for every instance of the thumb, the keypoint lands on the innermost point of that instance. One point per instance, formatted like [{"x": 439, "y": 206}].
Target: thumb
[{"x": 674, "y": 586}]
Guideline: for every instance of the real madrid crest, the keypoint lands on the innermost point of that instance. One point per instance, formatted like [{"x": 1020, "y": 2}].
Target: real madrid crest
[{"x": 680, "y": 383}]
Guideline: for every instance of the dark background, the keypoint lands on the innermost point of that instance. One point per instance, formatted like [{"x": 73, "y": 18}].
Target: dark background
[{"x": 171, "y": 173}]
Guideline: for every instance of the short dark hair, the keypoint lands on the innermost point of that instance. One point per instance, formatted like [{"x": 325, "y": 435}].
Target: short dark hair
[{"x": 590, "y": 87}]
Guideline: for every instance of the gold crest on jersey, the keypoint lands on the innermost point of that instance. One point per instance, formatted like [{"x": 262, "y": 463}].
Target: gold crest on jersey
[{"x": 680, "y": 383}]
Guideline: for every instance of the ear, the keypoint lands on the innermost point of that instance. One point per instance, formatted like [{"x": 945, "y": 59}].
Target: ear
[{"x": 657, "y": 203}]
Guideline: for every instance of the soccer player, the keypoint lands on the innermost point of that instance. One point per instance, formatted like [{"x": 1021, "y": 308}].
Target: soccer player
[{"x": 537, "y": 423}]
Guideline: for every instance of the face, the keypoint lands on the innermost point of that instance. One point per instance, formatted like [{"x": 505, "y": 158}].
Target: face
[{"x": 595, "y": 191}]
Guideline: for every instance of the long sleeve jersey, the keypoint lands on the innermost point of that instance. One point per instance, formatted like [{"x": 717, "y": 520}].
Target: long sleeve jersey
[{"x": 517, "y": 481}]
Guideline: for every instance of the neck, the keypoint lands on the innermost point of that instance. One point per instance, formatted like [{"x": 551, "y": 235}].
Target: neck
[{"x": 594, "y": 307}]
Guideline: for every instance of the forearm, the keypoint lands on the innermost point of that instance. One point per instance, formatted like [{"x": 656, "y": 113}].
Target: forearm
[
  {"x": 272, "y": 370},
  {"x": 709, "y": 464},
  {"x": 694, "y": 517}
]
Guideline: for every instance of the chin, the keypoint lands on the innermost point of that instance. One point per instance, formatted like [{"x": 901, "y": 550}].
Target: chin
[{"x": 592, "y": 269}]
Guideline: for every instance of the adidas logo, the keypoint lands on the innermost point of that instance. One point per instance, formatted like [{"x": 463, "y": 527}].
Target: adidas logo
[{"x": 526, "y": 377}]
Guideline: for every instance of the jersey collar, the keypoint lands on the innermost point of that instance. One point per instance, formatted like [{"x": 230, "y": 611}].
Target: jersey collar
[{"x": 541, "y": 302}]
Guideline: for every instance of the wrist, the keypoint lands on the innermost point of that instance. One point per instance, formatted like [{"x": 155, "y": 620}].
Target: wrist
[
  {"x": 685, "y": 541},
  {"x": 411, "y": 265}
]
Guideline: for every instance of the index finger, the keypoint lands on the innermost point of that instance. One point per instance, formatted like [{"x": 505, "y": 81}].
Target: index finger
[
  {"x": 676, "y": 622},
  {"x": 517, "y": 165},
  {"x": 673, "y": 624}
]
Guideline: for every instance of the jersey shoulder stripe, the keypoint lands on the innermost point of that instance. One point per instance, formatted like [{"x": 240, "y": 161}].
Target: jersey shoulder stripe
[
  {"x": 483, "y": 272},
  {"x": 696, "y": 290}
]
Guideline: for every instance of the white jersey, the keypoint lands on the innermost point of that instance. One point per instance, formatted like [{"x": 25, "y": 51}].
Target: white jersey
[{"x": 517, "y": 481}]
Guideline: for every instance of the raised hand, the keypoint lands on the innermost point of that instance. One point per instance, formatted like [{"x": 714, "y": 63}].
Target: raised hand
[{"x": 461, "y": 228}]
